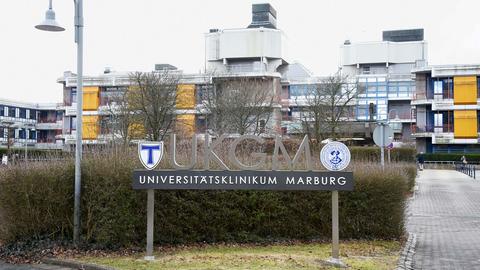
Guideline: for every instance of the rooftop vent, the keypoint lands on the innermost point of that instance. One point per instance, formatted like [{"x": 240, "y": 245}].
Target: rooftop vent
[{"x": 263, "y": 15}]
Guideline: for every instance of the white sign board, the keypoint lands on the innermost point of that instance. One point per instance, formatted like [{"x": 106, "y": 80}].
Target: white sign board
[{"x": 387, "y": 135}]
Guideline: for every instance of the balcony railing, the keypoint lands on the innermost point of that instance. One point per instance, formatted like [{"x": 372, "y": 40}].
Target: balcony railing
[{"x": 446, "y": 128}]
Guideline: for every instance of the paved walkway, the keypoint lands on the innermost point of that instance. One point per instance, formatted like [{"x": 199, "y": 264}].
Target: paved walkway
[{"x": 445, "y": 216}]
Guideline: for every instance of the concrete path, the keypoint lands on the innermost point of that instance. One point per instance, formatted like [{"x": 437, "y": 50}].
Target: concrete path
[{"x": 445, "y": 217}]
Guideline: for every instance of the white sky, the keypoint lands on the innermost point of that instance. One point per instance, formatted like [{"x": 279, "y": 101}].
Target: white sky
[{"x": 135, "y": 34}]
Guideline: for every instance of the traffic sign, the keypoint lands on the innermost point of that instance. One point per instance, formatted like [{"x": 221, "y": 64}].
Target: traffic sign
[{"x": 387, "y": 135}]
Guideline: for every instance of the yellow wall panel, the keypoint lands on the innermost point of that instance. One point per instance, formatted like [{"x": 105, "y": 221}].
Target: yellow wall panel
[
  {"x": 465, "y": 124},
  {"x": 136, "y": 131},
  {"x": 465, "y": 90},
  {"x": 186, "y": 96},
  {"x": 91, "y": 98},
  {"x": 186, "y": 123},
  {"x": 90, "y": 127}
]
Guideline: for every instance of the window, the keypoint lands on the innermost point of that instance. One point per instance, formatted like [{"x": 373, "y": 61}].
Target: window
[
  {"x": 11, "y": 112},
  {"x": 73, "y": 95},
  {"x": 438, "y": 120},
  {"x": 366, "y": 70},
  {"x": 262, "y": 125},
  {"x": 437, "y": 87},
  {"x": 299, "y": 90},
  {"x": 2, "y": 112},
  {"x": 73, "y": 123},
  {"x": 33, "y": 114},
  {"x": 32, "y": 134},
  {"x": 21, "y": 133},
  {"x": 23, "y": 113}
]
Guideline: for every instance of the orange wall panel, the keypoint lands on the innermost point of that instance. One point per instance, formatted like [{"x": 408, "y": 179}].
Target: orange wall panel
[
  {"x": 465, "y": 90},
  {"x": 185, "y": 96},
  {"x": 465, "y": 124}
]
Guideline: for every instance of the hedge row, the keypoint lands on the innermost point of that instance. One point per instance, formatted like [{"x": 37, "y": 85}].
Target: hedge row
[
  {"x": 373, "y": 154},
  {"x": 451, "y": 157},
  {"x": 37, "y": 199},
  {"x": 34, "y": 153},
  {"x": 359, "y": 153}
]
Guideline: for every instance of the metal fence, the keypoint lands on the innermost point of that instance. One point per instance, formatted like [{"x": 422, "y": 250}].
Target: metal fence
[{"x": 468, "y": 169}]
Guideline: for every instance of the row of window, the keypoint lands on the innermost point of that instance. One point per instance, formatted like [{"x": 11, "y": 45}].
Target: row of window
[
  {"x": 18, "y": 133},
  {"x": 443, "y": 121},
  {"x": 443, "y": 87},
  {"x": 18, "y": 112},
  {"x": 366, "y": 88}
]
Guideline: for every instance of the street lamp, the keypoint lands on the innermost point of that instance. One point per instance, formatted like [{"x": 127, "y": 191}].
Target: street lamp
[{"x": 49, "y": 24}]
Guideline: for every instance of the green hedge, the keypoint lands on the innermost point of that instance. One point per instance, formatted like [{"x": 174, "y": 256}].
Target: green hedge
[
  {"x": 35, "y": 153},
  {"x": 36, "y": 200},
  {"x": 451, "y": 157},
  {"x": 373, "y": 154}
]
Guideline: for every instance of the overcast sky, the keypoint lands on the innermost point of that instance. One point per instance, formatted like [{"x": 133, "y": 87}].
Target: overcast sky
[{"x": 132, "y": 35}]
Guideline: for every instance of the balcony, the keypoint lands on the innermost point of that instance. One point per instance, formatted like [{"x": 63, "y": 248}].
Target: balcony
[
  {"x": 49, "y": 145},
  {"x": 55, "y": 125},
  {"x": 401, "y": 117},
  {"x": 71, "y": 110},
  {"x": 422, "y": 131}
]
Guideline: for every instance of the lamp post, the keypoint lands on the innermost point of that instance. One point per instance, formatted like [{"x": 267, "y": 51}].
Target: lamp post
[
  {"x": 50, "y": 24},
  {"x": 388, "y": 121},
  {"x": 8, "y": 125},
  {"x": 26, "y": 126}
]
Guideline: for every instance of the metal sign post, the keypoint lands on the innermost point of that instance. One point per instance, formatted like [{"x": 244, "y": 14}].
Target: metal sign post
[
  {"x": 150, "y": 223},
  {"x": 335, "y": 229},
  {"x": 382, "y": 145}
]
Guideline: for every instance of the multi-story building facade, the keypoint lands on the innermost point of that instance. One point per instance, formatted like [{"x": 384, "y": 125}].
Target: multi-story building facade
[
  {"x": 31, "y": 125},
  {"x": 99, "y": 93},
  {"x": 382, "y": 73},
  {"x": 446, "y": 104}
]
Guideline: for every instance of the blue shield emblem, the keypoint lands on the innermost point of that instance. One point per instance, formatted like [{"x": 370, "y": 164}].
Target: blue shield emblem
[{"x": 150, "y": 154}]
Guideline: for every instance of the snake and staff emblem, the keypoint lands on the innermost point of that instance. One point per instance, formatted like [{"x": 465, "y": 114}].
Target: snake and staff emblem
[{"x": 335, "y": 156}]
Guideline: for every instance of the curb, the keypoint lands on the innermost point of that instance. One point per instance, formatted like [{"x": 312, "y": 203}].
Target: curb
[
  {"x": 75, "y": 264},
  {"x": 406, "y": 257}
]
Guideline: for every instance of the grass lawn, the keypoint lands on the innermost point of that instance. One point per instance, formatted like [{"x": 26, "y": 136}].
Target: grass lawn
[{"x": 356, "y": 254}]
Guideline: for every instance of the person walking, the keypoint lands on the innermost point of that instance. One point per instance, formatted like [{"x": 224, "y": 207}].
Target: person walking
[{"x": 421, "y": 161}]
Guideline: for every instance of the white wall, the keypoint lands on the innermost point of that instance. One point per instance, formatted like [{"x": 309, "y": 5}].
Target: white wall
[
  {"x": 383, "y": 52},
  {"x": 244, "y": 43}
]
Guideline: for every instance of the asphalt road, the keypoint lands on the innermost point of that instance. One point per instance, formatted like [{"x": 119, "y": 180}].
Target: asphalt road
[{"x": 445, "y": 217}]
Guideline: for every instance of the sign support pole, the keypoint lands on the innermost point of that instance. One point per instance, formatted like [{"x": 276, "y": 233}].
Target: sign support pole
[
  {"x": 335, "y": 260},
  {"x": 150, "y": 215},
  {"x": 335, "y": 227},
  {"x": 382, "y": 147}
]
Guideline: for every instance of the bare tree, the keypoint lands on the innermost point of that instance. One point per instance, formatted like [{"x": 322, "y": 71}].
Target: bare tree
[
  {"x": 239, "y": 104},
  {"x": 151, "y": 101},
  {"x": 327, "y": 106},
  {"x": 120, "y": 122}
]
